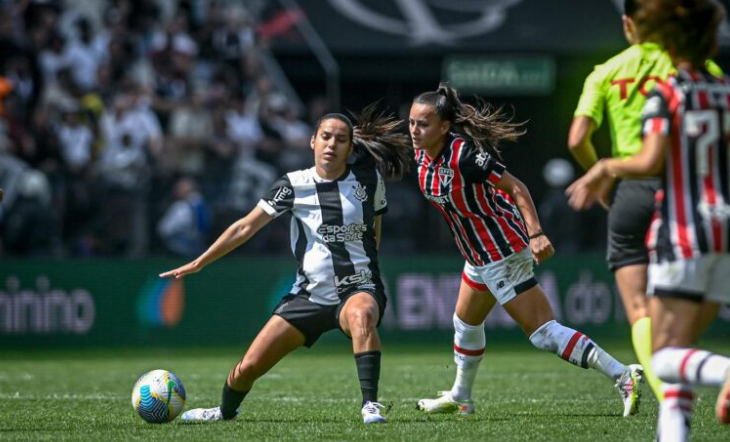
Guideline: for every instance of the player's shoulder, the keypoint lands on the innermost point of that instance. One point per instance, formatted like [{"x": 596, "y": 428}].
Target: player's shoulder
[
  {"x": 300, "y": 177},
  {"x": 631, "y": 58}
]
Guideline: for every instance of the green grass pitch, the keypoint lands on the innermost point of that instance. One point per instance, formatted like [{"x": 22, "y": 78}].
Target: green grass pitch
[{"x": 521, "y": 395}]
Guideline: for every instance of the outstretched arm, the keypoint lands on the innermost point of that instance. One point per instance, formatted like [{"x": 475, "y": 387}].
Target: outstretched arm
[
  {"x": 540, "y": 245},
  {"x": 235, "y": 235}
]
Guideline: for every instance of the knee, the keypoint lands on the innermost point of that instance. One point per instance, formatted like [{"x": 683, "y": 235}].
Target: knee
[{"x": 361, "y": 321}]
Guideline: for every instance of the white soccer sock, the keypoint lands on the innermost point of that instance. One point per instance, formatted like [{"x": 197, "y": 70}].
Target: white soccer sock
[
  {"x": 601, "y": 360},
  {"x": 691, "y": 366},
  {"x": 675, "y": 413},
  {"x": 469, "y": 344},
  {"x": 576, "y": 348}
]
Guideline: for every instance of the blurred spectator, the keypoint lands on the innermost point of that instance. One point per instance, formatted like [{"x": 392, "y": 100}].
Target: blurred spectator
[
  {"x": 185, "y": 227},
  {"x": 53, "y": 58},
  {"x": 75, "y": 141},
  {"x": 30, "y": 226},
  {"x": 242, "y": 128},
  {"x": 560, "y": 222},
  {"x": 190, "y": 128},
  {"x": 82, "y": 54}
]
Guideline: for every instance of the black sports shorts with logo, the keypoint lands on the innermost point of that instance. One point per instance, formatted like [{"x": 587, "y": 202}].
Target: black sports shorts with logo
[
  {"x": 314, "y": 319},
  {"x": 629, "y": 217}
]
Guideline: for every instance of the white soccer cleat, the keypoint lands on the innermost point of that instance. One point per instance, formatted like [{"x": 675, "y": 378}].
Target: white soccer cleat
[
  {"x": 202, "y": 415},
  {"x": 446, "y": 403},
  {"x": 371, "y": 413},
  {"x": 629, "y": 387}
]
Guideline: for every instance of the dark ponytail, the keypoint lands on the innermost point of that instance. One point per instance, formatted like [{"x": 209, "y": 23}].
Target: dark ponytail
[
  {"x": 483, "y": 124},
  {"x": 376, "y": 139}
]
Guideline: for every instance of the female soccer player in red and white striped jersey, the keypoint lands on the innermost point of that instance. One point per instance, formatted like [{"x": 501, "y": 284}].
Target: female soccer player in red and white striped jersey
[
  {"x": 686, "y": 126},
  {"x": 494, "y": 222}
]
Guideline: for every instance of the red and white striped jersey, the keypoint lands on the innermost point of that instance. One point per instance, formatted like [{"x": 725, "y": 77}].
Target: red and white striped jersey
[
  {"x": 693, "y": 210},
  {"x": 459, "y": 182}
]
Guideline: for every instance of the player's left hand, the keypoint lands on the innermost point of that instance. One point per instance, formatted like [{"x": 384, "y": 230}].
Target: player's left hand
[
  {"x": 541, "y": 249},
  {"x": 593, "y": 187},
  {"x": 187, "y": 269}
]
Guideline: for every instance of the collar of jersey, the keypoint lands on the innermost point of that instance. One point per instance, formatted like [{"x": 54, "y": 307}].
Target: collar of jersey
[
  {"x": 319, "y": 179},
  {"x": 650, "y": 46},
  {"x": 447, "y": 147}
]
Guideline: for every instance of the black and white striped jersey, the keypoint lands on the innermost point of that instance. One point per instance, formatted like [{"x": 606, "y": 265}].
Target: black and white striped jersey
[{"x": 332, "y": 230}]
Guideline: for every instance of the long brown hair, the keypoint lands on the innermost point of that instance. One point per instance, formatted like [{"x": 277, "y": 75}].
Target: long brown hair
[
  {"x": 485, "y": 126},
  {"x": 375, "y": 139},
  {"x": 686, "y": 28}
]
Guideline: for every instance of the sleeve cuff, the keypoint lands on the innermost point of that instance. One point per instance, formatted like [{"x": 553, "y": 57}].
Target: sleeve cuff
[
  {"x": 381, "y": 211},
  {"x": 268, "y": 209},
  {"x": 656, "y": 125}
]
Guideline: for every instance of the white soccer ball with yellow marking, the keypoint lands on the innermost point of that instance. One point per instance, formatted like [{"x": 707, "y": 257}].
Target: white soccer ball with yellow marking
[{"x": 158, "y": 396}]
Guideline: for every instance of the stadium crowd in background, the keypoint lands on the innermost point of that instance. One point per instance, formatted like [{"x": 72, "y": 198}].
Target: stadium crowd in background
[{"x": 105, "y": 105}]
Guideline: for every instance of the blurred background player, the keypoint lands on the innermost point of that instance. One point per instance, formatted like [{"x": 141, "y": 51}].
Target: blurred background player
[
  {"x": 495, "y": 224},
  {"x": 686, "y": 123},
  {"x": 620, "y": 86},
  {"x": 335, "y": 240}
]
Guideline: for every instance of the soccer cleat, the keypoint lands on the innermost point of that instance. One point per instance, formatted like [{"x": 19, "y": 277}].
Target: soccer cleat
[
  {"x": 202, "y": 415},
  {"x": 446, "y": 403},
  {"x": 723, "y": 402},
  {"x": 371, "y": 413},
  {"x": 629, "y": 387}
]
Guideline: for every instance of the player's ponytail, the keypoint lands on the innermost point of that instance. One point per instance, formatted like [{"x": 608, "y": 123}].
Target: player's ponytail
[
  {"x": 483, "y": 124},
  {"x": 375, "y": 139}
]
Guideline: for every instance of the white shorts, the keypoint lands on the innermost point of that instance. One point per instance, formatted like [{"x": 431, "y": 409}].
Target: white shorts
[
  {"x": 698, "y": 279},
  {"x": 504, "y": 279}
]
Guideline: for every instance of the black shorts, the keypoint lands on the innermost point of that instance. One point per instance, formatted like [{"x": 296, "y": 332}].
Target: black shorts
[
  {"x": 314, "y": 319},
  {"x": 629, "y": 217}
]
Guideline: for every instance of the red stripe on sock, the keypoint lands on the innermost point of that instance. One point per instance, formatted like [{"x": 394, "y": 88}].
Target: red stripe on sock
[
  {"x": 683, "y": 365},
  {"x": 571, "y": 345},
  {"x": 467, "y": 352}
]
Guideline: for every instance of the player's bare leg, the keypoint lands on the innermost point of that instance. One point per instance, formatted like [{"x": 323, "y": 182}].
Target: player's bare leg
[
  {"x": 472, "y": 308},
  {"x": 277, "y": 339},
  {"x": 533, "y": 313},
  {"x": 359, "y": 319},
  {"x": 631, "y": 282}
]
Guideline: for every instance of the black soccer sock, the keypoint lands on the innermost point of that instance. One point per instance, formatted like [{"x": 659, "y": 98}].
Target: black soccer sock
[
  {"x": 368, "y": 371},
  {"x": 230, "y": 401}
]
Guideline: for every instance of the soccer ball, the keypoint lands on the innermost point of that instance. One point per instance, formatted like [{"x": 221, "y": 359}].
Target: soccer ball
[{"x": 158, "y": 396}]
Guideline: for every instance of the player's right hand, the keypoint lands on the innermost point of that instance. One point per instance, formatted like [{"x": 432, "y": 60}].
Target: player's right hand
[
  {"x": 182, "y": 271},
  {"x": 541, "y": 248}
]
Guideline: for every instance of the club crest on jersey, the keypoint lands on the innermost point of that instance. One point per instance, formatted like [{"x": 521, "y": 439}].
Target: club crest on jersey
[
  {"x": 360, "y": 193},
  {"x": 446, "y": 175}
]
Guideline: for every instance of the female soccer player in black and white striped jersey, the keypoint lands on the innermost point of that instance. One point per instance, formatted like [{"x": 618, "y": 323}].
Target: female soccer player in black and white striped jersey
[
  {"x": 686, "y": 128},
  {"x": 494, "y": 222},
  {"x": 336, "y": 209}
]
